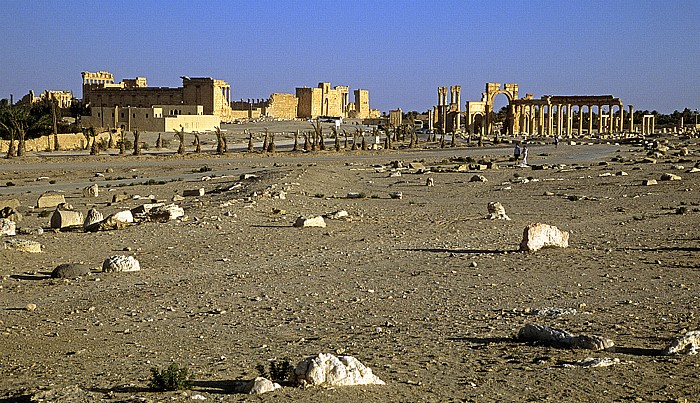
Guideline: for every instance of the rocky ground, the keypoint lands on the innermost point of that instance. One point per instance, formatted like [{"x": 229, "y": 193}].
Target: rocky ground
[{"x": 423, "y": 289}]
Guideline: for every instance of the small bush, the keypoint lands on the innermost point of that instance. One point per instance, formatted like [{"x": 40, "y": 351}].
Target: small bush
[
  {"x": 172, "y": 378},
  {"x": 279, "y": 372}
]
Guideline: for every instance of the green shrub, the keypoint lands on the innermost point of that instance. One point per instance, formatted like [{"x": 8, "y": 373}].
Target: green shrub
[
  {"x": 279, "y": 372},
  {"x": 172, "y": 378}
]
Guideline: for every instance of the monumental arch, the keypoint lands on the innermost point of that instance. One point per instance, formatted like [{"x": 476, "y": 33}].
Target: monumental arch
[{"x": 480, "y": 115}]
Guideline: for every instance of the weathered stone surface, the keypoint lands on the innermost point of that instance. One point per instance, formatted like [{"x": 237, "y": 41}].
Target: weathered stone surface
[
  {"x": 496, "y": 211},
  {"x": 177, "y": 198},
  {"x": 417, "y": 166},
  {"x": 166, "y": 212},
  {"x": 329, "y": 370},
  {"x": 337, "y": 215},
  {"x": 50, "y": 199},
  {"x": 66, "y": 219},
  {"x": 689, "y": 343},
  {"x": 92, "y": 218},
  {"x": 648, "y": 160},
  {"x": 310, "y": 222},
  {"x": 68, "y": 394},
  {"x": 120, "y": 263},
  {"x": 23, "y": 245},
  {"x": 70, "y": 270},
  {"x": 193, "y": 192},
  {"x": 429, "y": 182},
  {"x": 594, "y": 362},
  {"x": 118, "y": 198},
  {"x": 12, "y": 203},
  {"x": 11, "y": 214},
  {"x": 478, "y": 178},
  {"x": 112, "y": 222},
  {"x": 260, "y": 385},
  {"x": 7, "y": 227},
  {"x": 561, "y": 338},
  {"x": 91, "y": 191},
  {"x": 144, "y": 209},
  {"x": 670, "y": 177},
  {"x": 538, "y": 236},
  {"x": 649, "y": 182},
  {"x": 124, "y": 216},
  {"x": 396, "y": 195}
]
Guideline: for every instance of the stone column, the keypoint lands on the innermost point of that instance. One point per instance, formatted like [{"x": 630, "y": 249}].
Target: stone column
[
  {"x": 631, "y": 113},
  {"x": 590, "y": 119},
  {"x": 560, "y": 119},
  {"x": 580, "y": 121},
  {"x": 569, "y": 121},
  {"x": 550, "y": 122},
  {"x": 611, "y": 123},
  {"x": 621, "y": 128},
  {"x": 600, "y": 119}
]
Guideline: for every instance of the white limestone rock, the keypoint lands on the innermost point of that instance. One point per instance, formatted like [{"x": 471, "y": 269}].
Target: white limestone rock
[
  {"x": 649, "y": 182},
  {"x": 689, "y": 343},
  {"x": 329, "y": 370},
  {"x": 670, "y": 177},
  {"x": 7, "y": 227},
  {"x": 50, "y": 200},
  {"x": 496, "y": 211},
  {"x": 538, "y": 236},
  {"x": 166, "y": 212},
  {"x": 260, "y": 385},
  {"x": 310, "y": 222},
  {"x": 193, "y": 192},
  {"x": 120, "y": 263},
  {"x": 338, "y": 215},
  {"x": 123, "y": 216}
]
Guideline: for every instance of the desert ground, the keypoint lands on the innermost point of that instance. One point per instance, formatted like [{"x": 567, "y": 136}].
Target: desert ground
[{"x": 424, "y": 290}]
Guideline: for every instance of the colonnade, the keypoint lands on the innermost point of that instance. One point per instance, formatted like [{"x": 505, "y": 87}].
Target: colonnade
[{"x": 550, "y": 116}]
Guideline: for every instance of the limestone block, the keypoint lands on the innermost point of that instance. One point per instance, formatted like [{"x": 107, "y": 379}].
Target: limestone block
[
  {"x": 50, "y": 199},
  {"x": 120, "y": 263},
  {"x": 429, "y": 182},
  {"x": 649, "y": 182},
  {"x": 417, "y": 166},
  {"x": 92, "y": 218},
  {"x": 7, "y": 227},
  {"x": 538, "y": 236},
  {"x": 496, "y": 211},
  {"x": 193, "y": 192},
  {"x": 91, "y": 191},
  {"x": 478, "y": 178},
  {"x": 70, "y": 270},
  {"x": 260, "y": 385},
  {"x": 689, "y": 343},
  {"x": 144, "y": 209},
  {"x": 23, "y": 245},
  {"x": 561, "y": 338},
  {"x": 66, "y": 218},
  {"x": 310, "y": 222},
  {"x": 166, "y": 212},
  {"x": 12, "y": 203},
  {"x": 396, "y": 195},
  {"x": 338, "y": 215},
  {"x": 648, "y": 160},
  {"x": 463, "y": 168},
  {"x": 124, "y": 216},
  {"x": 118, "y": 198},
  {"x": 329, "y": 370},
  {"x": 670, "y": 177}
]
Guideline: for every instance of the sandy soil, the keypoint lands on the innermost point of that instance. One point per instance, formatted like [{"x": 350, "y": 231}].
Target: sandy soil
[{"x": 422, "y": 289}]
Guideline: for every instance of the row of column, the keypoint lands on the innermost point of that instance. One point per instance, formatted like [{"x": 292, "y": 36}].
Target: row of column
[
  {"x": 534, "y": 120},
  {"x": 226, "y": 92}
]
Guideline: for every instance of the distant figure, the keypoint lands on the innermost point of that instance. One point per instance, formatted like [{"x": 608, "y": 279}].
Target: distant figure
[
  {"x": 556, "y": 141},
  {"x": 524, "y": 162},
  {"x": 516, "y": 152}
]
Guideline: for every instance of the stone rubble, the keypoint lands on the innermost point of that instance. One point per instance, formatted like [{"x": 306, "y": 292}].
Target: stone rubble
[
  {"x": 92, "y": 219},
  {"x": 61, "y": 219},
  {"x": 91, "y": 191},
  {"x": 310, "y": 222},
  {"x": 23, "y": 245},
  {"x": 561, "y": 338},
  {"x": 689, "y": 343},
  {"x": 538, "y": 236},
  {"x": 329, "y": 370},
  {"x": 496, "y": 211},
  {"x": 7, "y": 227},
  {"x": 120, "y": 263},
  {"x": 670, "y": 177},
  {"x": 260, "y": 385},
  {"x": 478, "y": 178},
  {"x": 11, "y": 214}
]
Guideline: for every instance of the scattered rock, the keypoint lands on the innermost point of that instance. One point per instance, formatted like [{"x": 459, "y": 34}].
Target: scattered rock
[
  {"x": 689, "y": 343},
  {"x": 166, "y": 212},
  {"x": 61, "y": 219},
  {"x": 7, "y": 227},
  {"x": 193, "y": 192},
  {"x": 120, "y": 263},
  {"x": 561, "y": 338},
  {"x": 396, "y": 174},
  {"x": 329, "y": 370},
  {"x": 478, "y": 178},
  {"x": 68, "y": 394},
  {"x": 11, "y": 214},
  {"x": 670, "y": 177},
  {"x": 621, "y": 173},
  {"x": 91, "y": 191},
  {"x": 260, "y": 385},
  {"x": 177, "y": 198},
  {"x": 123, "y": 216},
  {"x": 118, "y": 198},
  {"x": 310, "y": 222},
  {"x": 12, "y": 203},
  {"x": 144, "y": 209},
  {"x": 496, "y": 211},
  {"x": 354, "y": 195},
  {"x": 648, "y": 160},
  {"x": 23, "y": 245},
  {"x": 337, "y": 215},
  {"x": 649, "y": 182},
  {"x": 592, "y": 362},
  {"x": 92, "y": 218},
  {"x": 429, "y": 182},
  {"x": 50, "y": 200},
  {"x": 30, "y": 307},
  {"x": 70, "y": 270},
  {"x": 396, "y": 195},
  {"x": 417, "y": 166},
  {"x": 538, "y": 236}
]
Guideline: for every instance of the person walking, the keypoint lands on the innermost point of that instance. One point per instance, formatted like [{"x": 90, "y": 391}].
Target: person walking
[
  {"x": 516, "y": 152},
  {"x": 524, "y": 162},
  {"x": 556, "y": 141}
]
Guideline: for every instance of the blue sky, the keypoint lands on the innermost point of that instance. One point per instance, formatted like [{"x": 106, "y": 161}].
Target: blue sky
[{"x": 645, "y": 52}]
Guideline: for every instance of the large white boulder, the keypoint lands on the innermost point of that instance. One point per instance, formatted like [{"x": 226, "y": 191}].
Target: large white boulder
[
  {"x": 310, "y": 222},
  {"x": 120, "y": 263},
  {"x": 689, "y": 343},
  {"x": 538, "y": 236},
  {"x": 329, "y": 370}
]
